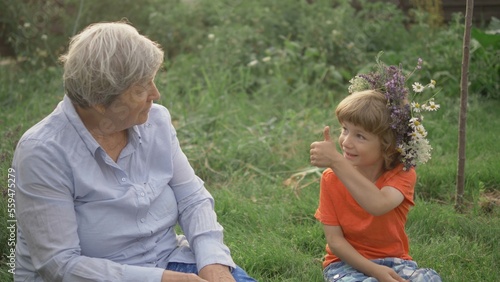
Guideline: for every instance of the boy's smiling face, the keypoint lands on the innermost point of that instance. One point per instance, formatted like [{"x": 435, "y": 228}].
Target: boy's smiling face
[{"x": 362, "y": 148}]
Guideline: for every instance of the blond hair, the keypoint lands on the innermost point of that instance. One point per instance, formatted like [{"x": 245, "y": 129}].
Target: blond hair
[{"x": 105, "y": 59}]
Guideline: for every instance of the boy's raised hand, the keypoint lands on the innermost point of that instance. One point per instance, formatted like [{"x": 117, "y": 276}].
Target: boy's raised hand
[{"x": 323, "y": 153}]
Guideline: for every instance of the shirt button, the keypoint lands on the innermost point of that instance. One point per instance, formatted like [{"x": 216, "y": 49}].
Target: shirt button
[
  {"x": 142, "y": 194},
  {"x": 123, "y": 179},
  {"x": 143, "y": 219}
]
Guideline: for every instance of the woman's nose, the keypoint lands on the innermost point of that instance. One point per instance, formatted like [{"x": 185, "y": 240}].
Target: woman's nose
[{"x": 154, "y": 94}]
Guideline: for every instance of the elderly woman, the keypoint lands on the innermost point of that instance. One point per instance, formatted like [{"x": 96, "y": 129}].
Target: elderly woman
[{"x": 102, "y": 181}]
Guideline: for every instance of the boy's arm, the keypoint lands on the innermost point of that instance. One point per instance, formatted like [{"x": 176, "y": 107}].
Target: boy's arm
[
  {"x": 345, "y": 251},
  {"x": 372, "y": 199},
  {"x": 375, "y": 201}
]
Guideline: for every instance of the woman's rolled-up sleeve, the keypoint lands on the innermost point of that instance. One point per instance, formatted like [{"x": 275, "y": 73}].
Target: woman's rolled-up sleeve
[{"x": 197, "y": 217}]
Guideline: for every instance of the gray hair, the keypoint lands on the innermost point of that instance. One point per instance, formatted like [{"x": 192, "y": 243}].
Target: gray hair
[{"x": 105, "y": 59}]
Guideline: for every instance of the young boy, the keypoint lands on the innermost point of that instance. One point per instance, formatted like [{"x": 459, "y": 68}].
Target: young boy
[{"x": 367, "y": 192}]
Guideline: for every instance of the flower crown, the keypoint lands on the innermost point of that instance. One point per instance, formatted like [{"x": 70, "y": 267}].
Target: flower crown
[{"x": 406, "y": 113}]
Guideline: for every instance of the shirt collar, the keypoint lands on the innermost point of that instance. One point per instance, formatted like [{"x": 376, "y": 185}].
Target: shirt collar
[
  {"x": 87, "y": 138},
  {"x": 76, "y": 122}
]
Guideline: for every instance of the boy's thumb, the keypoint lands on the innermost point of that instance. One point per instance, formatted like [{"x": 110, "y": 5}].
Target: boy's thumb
[{"x": 326, "y": 133}]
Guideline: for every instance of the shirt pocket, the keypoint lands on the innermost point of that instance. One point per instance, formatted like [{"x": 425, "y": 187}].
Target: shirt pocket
[{"x": 163, "y": 203}]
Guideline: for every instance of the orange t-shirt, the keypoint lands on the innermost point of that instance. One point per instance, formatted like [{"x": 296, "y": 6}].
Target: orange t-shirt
[{"x": 372, "y": 236}]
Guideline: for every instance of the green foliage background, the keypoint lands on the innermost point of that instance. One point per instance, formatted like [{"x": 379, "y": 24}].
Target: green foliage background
[{"x": 251, "y": 84}]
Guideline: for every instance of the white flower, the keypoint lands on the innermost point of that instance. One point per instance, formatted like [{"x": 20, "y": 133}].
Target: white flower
[
  {"x": 416, "y": 107},
  {"x": 211, "y": 36},
  {"x": 433, "y": 106},
  {"x": 418, "y": 87},
  {"x": 266, "y": 59},
  {"x": 358, "y": 84},
  {"x": 44, "y": 37},
  {"x": 432, "y": 84},
  {"x": 253, "y": 63},
  {"x": 421, "y": 132},
  {"x": 414, "y": 122},
  {"x": 423, "y": 148}
]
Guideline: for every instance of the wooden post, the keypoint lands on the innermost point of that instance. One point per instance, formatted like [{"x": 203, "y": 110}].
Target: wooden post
[{"x": 459, "y": 200}]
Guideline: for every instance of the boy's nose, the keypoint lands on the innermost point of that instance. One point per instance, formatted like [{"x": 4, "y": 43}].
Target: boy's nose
[{"x": 346, "y": 142}]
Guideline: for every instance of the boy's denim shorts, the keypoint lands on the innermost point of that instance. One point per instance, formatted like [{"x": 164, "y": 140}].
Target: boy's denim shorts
[{"x": 407, "y": 269}]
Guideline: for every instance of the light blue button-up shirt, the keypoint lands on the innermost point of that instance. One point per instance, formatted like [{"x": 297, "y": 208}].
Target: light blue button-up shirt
[{"x": 83, "y": 217}]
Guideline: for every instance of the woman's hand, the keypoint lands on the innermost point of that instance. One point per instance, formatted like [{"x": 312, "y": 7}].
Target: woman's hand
[
  {"x": 216, "y": 273},
  {"x": 174, "y": 276}
]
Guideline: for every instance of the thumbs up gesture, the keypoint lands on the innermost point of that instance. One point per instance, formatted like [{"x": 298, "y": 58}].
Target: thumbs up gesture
[{"x": 323, "y": 153}]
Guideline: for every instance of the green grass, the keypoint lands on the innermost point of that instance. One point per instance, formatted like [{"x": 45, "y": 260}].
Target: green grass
[
  {"x": 247, "y": 130},
  {"x": 245, "y": 149}
]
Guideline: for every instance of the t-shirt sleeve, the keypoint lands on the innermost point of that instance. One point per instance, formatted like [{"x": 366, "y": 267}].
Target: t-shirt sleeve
[
  {"x": 404, "y": 181},
  {"x": 326, "y": 211}
]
